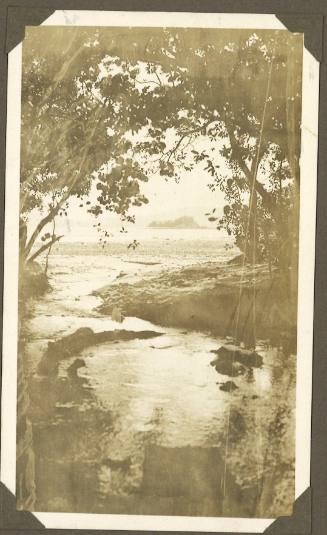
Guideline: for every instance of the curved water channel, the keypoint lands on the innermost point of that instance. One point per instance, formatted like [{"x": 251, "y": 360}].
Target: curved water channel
[{"x": 143, "y": 426}]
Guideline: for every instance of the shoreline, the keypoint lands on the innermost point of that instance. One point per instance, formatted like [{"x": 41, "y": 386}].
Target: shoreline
[
  {"x": 71, "y": 402},
  {"x": 220, "y": 298},
  {"x": 214, "y": 297}
]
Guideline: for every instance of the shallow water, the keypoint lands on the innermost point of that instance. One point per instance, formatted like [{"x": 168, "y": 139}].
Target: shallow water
[{"x": 143, "y": 412}]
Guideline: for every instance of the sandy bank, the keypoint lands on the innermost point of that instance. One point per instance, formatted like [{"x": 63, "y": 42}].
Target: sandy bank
[{"x": 212, "y": 297}]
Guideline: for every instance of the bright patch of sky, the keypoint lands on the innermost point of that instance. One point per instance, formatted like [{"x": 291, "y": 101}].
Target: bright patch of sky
[{"x": 167, "y": 200}]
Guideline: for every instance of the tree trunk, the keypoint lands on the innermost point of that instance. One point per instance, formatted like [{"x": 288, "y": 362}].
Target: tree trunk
[
  {"x": 293, "y": 119},
  {"x": 44, "y": 248},
  {"x": 40, "y": 226},
  {"x": 47, "y": 219},
  {"x": 250, "y": 331}
]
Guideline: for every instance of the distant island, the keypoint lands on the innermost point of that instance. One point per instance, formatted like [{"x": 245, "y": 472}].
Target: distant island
[{"x": 180, "y": 222}]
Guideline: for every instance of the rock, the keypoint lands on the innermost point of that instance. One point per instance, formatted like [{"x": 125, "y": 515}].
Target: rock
[
  {"x": 248, "y": 358},
  {"x": 233, "y": 360},
  {"x": 228, "y": 367},
  {"x": 84, "y": 337},
  {"x": 123, "y": 335},
  {"x": 121, "y": 274},
  {"x": 228, "y": 386},
  {"x": 72, "y": 370},
  {"x": 71, "y": 343}
]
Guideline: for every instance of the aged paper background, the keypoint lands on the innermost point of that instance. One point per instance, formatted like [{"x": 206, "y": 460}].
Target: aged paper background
[{"x": 306, "y": 271}]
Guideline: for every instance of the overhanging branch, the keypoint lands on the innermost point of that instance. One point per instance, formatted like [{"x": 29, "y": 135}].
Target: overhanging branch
[{"x": 44, "y": 247}]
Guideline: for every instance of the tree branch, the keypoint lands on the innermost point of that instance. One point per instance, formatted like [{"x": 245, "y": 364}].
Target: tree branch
[
  {"x": 66, "y": 196},
  {"x": 147, "y": 82},
  {"x": 188, "y": 133},
  {"x": 266, "y": 197},
  {"x": 41, "y": 224},
  {"x": 44, "y": 247}
]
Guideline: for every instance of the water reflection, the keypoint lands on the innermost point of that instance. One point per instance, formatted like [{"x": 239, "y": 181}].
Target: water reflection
[
  {"x": 143, "y": 427},
  {"x": 119, "y": 420}
]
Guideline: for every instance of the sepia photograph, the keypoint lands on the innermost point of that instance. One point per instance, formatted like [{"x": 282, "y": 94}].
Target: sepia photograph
[{"x": 158, "y": 284}]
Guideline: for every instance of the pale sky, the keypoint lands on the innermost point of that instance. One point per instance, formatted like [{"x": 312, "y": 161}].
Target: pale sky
[{"x": 167, "y": 200}]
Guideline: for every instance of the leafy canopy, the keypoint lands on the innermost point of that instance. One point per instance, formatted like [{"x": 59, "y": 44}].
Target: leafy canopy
[{"x": 107, "y": 108}]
